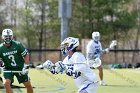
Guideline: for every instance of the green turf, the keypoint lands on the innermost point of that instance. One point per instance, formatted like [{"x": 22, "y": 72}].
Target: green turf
[{"x": 118, "y": 80}]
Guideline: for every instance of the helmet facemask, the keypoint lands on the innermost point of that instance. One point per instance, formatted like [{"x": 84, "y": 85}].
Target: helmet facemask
[
  {"x": 7, "y": 39},
  {"x": 69, "y": 44},
  {"x": 7, "y": 35},
  {"x": 96, "y": 36},
  {"x": 64, "y": 48}
]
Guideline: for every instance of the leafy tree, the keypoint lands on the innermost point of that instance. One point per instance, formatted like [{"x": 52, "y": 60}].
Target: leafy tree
[
  {"x": 109, "y": 17},
  {"x": 39, "y": 23},
  {"x": 106, "y": 16},
  {"x": 3, "y": 17}
]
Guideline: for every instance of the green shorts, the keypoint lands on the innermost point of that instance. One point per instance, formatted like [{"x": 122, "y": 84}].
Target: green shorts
[{"x": 21, "y": 78}]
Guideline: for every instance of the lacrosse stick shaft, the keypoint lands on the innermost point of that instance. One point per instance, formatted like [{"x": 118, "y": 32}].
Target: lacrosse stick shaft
[{"x": 12, "y": 71}]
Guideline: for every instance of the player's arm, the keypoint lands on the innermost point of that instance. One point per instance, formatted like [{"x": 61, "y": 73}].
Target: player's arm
[
  {"x": 59, "y": 67},
  {"x": 49, "y": 65},
  {"x": 106, "y": 50},
  {"x": 111, "y": 46},
  {"x": 90, "y": 56},
  {"x": 80, "y": 65},
  {"x": 26, "y": 59},
  {"x": 25, "y": 68},
  {"x": 25, "y": 54}
]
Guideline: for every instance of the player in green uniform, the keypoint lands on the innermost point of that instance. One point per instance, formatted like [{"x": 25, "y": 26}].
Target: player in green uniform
[{"x": 15, "y": 58}]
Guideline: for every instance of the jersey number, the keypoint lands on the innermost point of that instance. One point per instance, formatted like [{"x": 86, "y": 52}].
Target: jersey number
[
  {"x": 70, "y": 66},
  {"x": 96, "y": 51},
  {"x": 11, "y": 57}
]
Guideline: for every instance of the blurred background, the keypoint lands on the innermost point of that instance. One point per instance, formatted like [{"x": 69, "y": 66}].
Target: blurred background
[{"x": 41, "y": 25}]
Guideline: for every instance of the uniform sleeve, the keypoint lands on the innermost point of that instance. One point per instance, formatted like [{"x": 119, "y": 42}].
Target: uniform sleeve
[
  {"x": 22, "y": 50},
  {"x": 80, "y": 62},
  {"x": 101, "y": 49},
  {"x": 79, "y": 59},
  {"x": 89, "y": 48},
  {"x": 100, "y": 46},
  {"x": 90, "y": 56},
  {"x": 89, "y": 51},
  {"x": 80, "y": 67}
]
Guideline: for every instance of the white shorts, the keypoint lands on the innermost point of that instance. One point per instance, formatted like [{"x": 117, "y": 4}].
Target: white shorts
[{"x": 89, "y": 88}]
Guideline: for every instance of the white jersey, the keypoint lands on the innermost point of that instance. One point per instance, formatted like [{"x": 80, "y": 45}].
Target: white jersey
[
  {"x": 94, "y": 48},
  {"x": 78, "y": 63}
]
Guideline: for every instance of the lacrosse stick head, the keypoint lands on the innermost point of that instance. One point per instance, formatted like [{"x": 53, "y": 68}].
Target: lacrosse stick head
[
  {"x": 95, "y": 62},
  {"x": 113, "y": 44}
]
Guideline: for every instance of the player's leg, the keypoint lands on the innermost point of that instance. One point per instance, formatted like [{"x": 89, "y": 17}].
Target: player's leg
[
  {"x": 7, "y": 85},
  {"x": 28, "y": 86},
  {"x": 100, "y": 68},
  {"x": 1, "y": 82},
  {"x": 88, "y": 88},
  {"x": 26, "y": 81},
  {"x": 7, "y": 81}
]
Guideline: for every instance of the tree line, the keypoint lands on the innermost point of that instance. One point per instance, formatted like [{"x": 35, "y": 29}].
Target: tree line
[{"x": 36, "y": 22}]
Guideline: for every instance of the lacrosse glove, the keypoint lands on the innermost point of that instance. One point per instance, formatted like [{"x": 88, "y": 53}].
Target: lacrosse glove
[
  {"x": 25, "y": 69},
  {"x": 69, "y": 72},
  {"x": 76, "y": 74}
]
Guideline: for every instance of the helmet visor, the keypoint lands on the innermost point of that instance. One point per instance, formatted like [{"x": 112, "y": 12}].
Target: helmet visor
[{"x": 7, "y": 38}]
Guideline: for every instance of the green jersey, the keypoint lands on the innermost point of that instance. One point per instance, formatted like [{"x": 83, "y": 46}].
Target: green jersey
[{"x": 12, "y": 56}]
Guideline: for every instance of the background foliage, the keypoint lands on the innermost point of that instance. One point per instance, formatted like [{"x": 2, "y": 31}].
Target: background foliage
[{"x": 36, "y": 23}]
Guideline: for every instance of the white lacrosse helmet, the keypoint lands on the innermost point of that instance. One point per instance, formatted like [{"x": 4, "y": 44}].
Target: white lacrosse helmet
[
  {"x": 96, "y": 36},
  {"x": 7, "y": 35},
  {"x": 69, "y": 44}
]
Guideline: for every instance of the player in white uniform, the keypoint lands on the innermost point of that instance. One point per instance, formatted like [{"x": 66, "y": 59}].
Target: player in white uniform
[
  {"x": 75, "y": 66},
  {"x": 94, "y": 51}
]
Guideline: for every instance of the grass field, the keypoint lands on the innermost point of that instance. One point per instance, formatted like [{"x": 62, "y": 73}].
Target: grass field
[{"x": 118, "y": 81}]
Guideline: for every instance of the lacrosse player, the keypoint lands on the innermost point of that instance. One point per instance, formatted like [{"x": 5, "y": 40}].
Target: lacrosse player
[
  {"x": 1, "y": 84},
  {"x": 16, "y": 59},
  {"x": 75, "y": 66},
  {"x": 94, "y": 51}
]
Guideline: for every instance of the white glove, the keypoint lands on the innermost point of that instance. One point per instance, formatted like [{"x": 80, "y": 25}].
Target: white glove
[
  {"x": 113, "y": 43},
  {"x": 60, "y": 67},
  {"x": 48, "y": 64},
  {"x": 25, "y": 69}
]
